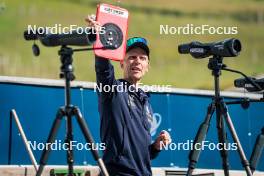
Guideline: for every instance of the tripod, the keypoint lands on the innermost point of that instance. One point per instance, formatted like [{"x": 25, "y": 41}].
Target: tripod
[
  {"x": 219, "y": 106},
  {"x": 69, "y": 111}
]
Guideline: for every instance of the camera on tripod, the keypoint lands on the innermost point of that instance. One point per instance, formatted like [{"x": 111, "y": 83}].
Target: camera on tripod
[
  {"x": 226, "y": 48},
  {"x": 247, "y": 83}
]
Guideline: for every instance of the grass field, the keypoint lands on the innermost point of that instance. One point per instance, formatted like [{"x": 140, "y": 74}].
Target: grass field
[{"x": 167, "y": 66}]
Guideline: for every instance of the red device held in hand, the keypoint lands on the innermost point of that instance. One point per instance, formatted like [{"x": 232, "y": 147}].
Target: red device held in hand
[{"x": 111, "y": 40}]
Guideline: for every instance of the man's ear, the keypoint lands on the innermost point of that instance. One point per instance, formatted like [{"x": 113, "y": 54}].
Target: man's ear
[{"x": 148, "y": 66}]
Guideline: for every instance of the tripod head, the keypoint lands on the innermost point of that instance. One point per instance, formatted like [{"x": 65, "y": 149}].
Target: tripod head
[
  {"x": 66, "y": 61},
  {"x": 216, "y": 65}
]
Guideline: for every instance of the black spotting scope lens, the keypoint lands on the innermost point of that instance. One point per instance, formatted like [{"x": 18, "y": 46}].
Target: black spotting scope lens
[{"x": 236, "y": 45}]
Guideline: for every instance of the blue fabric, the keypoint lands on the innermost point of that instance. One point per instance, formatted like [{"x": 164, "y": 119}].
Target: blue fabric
[{"x": 124, "y": 127}]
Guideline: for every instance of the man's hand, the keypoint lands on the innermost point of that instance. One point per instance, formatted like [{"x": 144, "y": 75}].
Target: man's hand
[
  {"x": 162, "y": 140},
  {"x": 90, "y": 19}
]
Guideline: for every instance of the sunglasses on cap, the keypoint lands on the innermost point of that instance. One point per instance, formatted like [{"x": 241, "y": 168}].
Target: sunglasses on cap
[{"x": 131, "y": 41}]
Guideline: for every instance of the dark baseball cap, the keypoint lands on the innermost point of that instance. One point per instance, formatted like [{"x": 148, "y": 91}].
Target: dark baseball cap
[{"x": 136, "y": 42}]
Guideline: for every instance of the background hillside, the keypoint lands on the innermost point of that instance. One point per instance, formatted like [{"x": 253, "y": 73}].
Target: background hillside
[{"x": 167, "y": 66}]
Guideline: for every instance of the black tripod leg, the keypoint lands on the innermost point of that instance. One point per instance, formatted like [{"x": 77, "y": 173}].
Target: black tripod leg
[
  {"x": 89, "y": 139},
  {"x": 222, "y": 138},
  {"x": 69, "y": 138},
  {"x": 199, "y": 138},
  {"x": 231, "y": 127},
  {"x": 51, "y": 139},
  {"x": 257, "y": 150}
]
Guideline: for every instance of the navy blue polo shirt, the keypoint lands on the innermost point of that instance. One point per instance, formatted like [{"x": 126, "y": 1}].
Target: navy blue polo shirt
[{"x": 125, "y": 113}]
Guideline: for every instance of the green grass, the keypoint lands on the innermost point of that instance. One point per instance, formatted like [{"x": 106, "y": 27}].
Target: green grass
[{"x": 167, "y": 66}]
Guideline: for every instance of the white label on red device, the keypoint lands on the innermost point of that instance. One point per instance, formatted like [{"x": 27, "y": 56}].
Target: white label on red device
[{"x": 117, "y": 12}]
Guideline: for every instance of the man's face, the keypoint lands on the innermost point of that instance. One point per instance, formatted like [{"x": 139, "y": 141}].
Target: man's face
[{"x": 135, "y": 65}]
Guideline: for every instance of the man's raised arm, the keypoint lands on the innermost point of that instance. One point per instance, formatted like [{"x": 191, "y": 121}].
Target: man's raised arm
[
  {"x": 105, "y": 75},
  {"x": 104, "y": 69}
]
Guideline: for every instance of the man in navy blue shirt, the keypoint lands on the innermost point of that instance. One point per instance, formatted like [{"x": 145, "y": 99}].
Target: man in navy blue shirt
[{"x": 125, "y": 113}]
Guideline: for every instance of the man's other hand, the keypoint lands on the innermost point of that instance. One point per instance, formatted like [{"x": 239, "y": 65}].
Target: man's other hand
[{"x": 162, "y": 140}]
